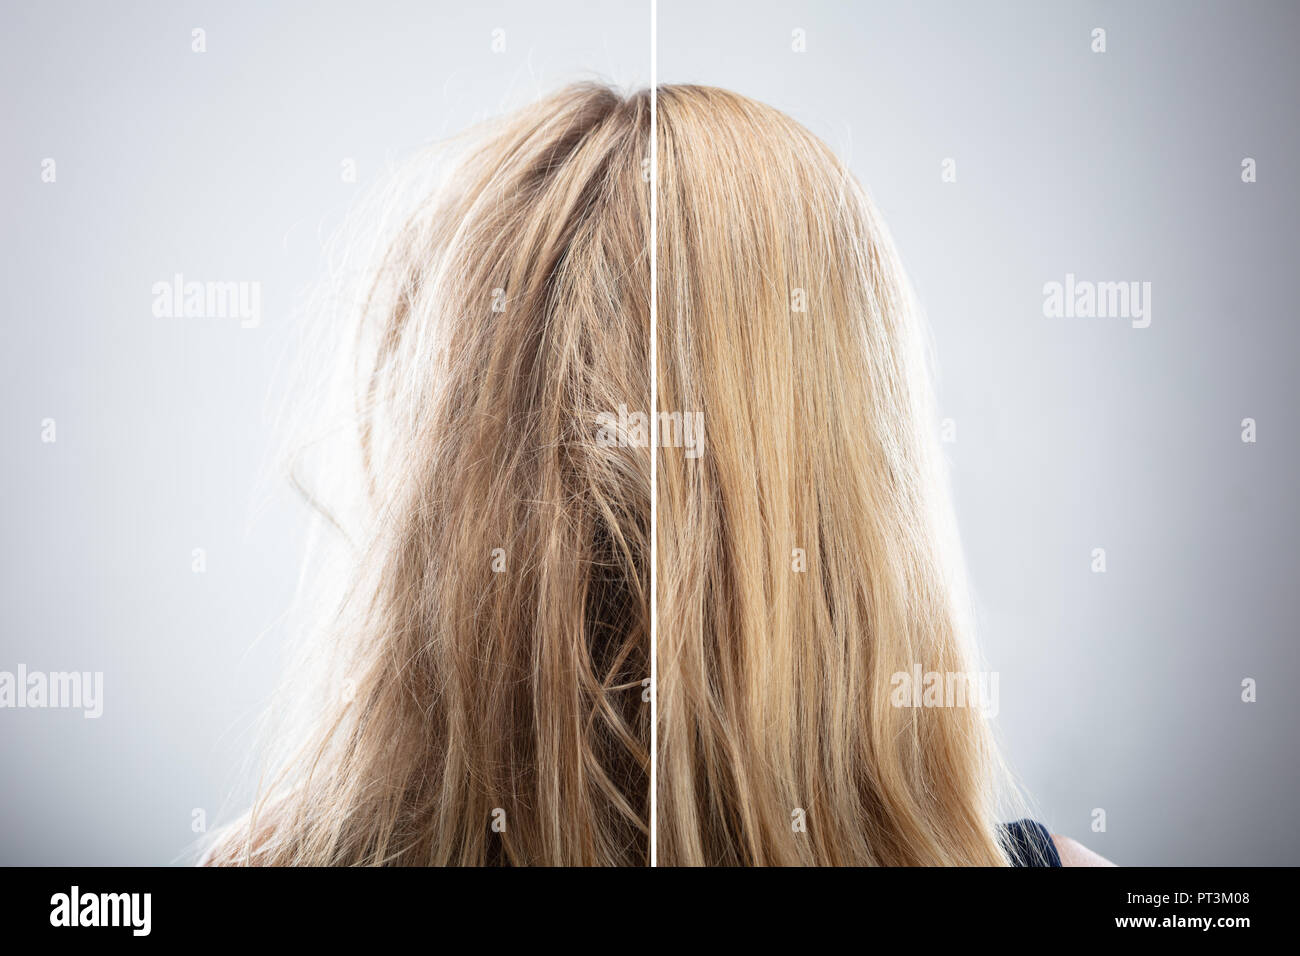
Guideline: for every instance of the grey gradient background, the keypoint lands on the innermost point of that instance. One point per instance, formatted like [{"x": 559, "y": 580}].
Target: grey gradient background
[
  {"x": 1119, "y": 691},
  {"x": 224, "y": 165}
]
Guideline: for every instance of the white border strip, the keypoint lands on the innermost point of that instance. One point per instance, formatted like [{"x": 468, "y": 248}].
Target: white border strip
[{"x": 654, "y": 417}]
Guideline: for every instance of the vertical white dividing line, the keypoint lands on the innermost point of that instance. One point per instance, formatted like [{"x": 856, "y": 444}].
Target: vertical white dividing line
[{"x": 654, "y": 418}]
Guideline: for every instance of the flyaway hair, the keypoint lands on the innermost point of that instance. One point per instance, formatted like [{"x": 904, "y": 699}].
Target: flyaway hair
[{"x": 481, "y": 701}]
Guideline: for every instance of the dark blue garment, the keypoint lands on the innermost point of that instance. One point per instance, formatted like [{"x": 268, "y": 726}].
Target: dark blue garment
[{"x": 1029, "y": 844}]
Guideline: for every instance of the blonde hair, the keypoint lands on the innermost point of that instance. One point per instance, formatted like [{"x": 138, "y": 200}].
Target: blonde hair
[
  {"x": 479, "y": 699},
  {"x": 809, "y": 555},
  {"x": 487, "y": 660}
]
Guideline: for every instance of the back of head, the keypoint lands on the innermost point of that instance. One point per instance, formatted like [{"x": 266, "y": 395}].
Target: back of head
[
  {"x": 477, "y": 697},
  {"x": 807, "y": 557}
]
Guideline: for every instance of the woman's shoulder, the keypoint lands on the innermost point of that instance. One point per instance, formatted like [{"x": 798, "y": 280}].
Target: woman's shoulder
[{"x": 1074, "y": 853}]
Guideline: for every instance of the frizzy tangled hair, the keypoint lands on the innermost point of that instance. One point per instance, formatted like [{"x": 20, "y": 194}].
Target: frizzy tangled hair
[{"x": 478, "y": 697}]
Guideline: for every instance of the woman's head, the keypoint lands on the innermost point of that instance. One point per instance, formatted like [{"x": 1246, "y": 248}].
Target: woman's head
[
  {"x": 477, "y": 696},
  {"x": 808, "y": 556}
]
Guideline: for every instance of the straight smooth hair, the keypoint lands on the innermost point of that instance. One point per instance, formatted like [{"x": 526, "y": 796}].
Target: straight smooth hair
[{"x": 810, "y": 555}]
